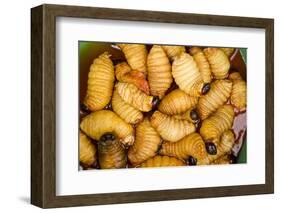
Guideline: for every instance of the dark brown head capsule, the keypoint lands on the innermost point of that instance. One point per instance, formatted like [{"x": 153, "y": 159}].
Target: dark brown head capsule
[
  {"x": 206, "y": 88},
  {"x": 107, "y": 136},
  {"x": 194, "y": 115},
  {"x": 155, "y": 102},
  {"x": 232, "y": 158},
  {"x": 211, "y": 148},
  {"x": 192, "y": 161}
]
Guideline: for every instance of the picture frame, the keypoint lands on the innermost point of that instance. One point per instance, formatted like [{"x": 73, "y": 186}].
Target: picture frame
[{"x": 43, "y": 105}]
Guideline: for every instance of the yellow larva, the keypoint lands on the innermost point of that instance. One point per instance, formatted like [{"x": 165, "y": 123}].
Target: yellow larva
[
  {"x": 100, "y": 83},
  {"x": 191, "y": 145},
  {"x": 171, "y": 129},
  {"x": 177, "y": 102},
  {"x": 187, "y": 75},
  {"x": 134, "y": 96},
  {"x": 159, "y": 71},
  {"x": 173, "y": 51},
  {"x": 239, "y": 94},
  {"x": 100, "y": 122},
  {"x": 194, "y": 50},
  {"x": 219, "y": 93},
  {"x": 127, "y": 112},
  {"x": 219, "y": 62},
  {"x": 162, "y": 161},
  {"x": 146, "y": 144},
  {"x": 190, "y": 115},
  {"x": 136, "y": 55},
  {"x": 215, "y": 125},
  {"x": 88, "y": 151},
  {"x": 235, "y": 76},
  {"x": 228, "y": 51}
]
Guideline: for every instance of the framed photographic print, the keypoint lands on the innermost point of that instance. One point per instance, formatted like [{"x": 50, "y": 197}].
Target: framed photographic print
[{"x": 136, "y": 106}]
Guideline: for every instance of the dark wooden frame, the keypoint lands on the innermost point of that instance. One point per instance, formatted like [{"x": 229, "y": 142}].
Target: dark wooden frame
[{"x": 43, "y": 107}]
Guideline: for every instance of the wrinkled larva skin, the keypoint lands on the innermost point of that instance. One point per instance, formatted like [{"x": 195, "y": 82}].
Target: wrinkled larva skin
[
  {"x": 219, "y": 62},
  {"x": 100, "y": 83},
  {"x": 239, "y": 94},
  {"x": 162, "y": 161},
  {"x": 228, "y": 51},
  {"x": 235, "y": 76},
  {"x": 159, "y": 71},
  {"x": 219, "y": 93},
  {"x": 146, "y": 144},
  {"x": 171, "y": 129},
  {"x": 88, "y": 151},
  {"x": 173, "y": 51}
]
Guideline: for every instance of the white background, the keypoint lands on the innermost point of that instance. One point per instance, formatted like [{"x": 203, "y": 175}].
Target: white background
[{"x": 15, "y": 106}]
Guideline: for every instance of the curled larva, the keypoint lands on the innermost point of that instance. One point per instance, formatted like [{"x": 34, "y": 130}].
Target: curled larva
[
  {"x": 219, "y": 62},
  {"x": 136, "y": 55},
  {"x": 171, "y": 129},
  {"x": 87, "y": 150},
  {"x": 238, "y": 96},
  {"x": 135, "y": 97},
  {"x": 101, "y": 122},
  {"x": 215, "y": 125},
  {"x": 112, "y": 154},
  {"x": 159, "y": 71},
  {"x": 100, "y": 83},
  {"x": 187, "y": 75},
  {"x": 228, "y": 51},
  {"x": 127, "y": 112},
  {"x": 227, "y": 141},
  {"x": 146, "y": 144},
  {"x": 173, "y": 51},
  {"x": 162, "y": 161},
  {"x": 219, "y": 93},
  {"x": 177, "y": 102},
  {"x": 203, "y": 65},
  {"x": 194, "y": 50},
  {"x": 191, "y": 145},
  {"x": 124, "y": 73},
  {"x": 235, "y": 76},
  {"x": 190, "y": 115}
]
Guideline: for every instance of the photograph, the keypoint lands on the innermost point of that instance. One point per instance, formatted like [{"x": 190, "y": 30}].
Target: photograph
[{"x": 161, "y": 105}]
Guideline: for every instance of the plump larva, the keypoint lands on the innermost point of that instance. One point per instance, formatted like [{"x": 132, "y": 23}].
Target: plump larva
[
  {"x": 162, "y": 161},
  {"x": 146, "y": 144},
  {"x": 177, "y": 102},
  {"x": 219, "y": 62},
  {"x": 173, "y": 51},
  {"x": 215, "y": 125},
  {"x": 194, "y": 50},
  {"x": 136, "y": 55},
  {"x": 100, "y": 83},
  {"x": 88, "y": 151},
  {"x": 190, "y": 115},
  {"x": 227, "y": 141},
  {"x": 191, "y": 145},
  {"x": 228, "y": 51},
  {"x": 187, "y": 75},
  {"x": 127, "y": 112},
  {"x": 135, "y": 97},
  {"x": 171, "y": 129},
  {"x": 159, "y": 71},
  {"x": 219, "y": 93},
  {"x": 124, "y": 73},
  {"x": 202, "y": 64},
  {"x": 100, "y": 122},
  {"x": 111, "y": 154},
  {"x": 235, "y": 76},
  {"x": 239, "y": 94}
]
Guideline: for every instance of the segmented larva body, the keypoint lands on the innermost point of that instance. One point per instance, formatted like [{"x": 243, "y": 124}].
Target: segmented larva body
[
  {"x": 159, "y": 71},
  {"x": 173, "y": 51},
  {"x": 136, "y": 55},
  {"x": 177, "y": 102},
  {"x": 104, "y": 121},
  {"x": 238, "y": 96},
  {"x": 222, "y": 160},
  {"x": 135, "y": 97},
  {"x": 162, "y": 161},
  {"x": 235, "y": 76},
  {"x": 171, "y": 129},
  {"x": 127, "y": 112},
  {"x": 228, "y": 51},
  {"x": 88, "y": 151},
  {"x": 219, "y": 93},
  {"x": 219, "y": 62},
  {"x": 124, "y": 73},
  {"x": 194, "y": 50},
  {"x": 191, "y": 145},
  {"x": 111, "y": 154},
  {"x": 215, "y": 125},
  {"x": 100, "y": 83},
  {"x": 203, "y": 65},
  {"x": 190, "y": 115},
  {"x": 227, "y": 141},
  {"x": 187, "y": 75},
  {"x": 146, "y": 144}
]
